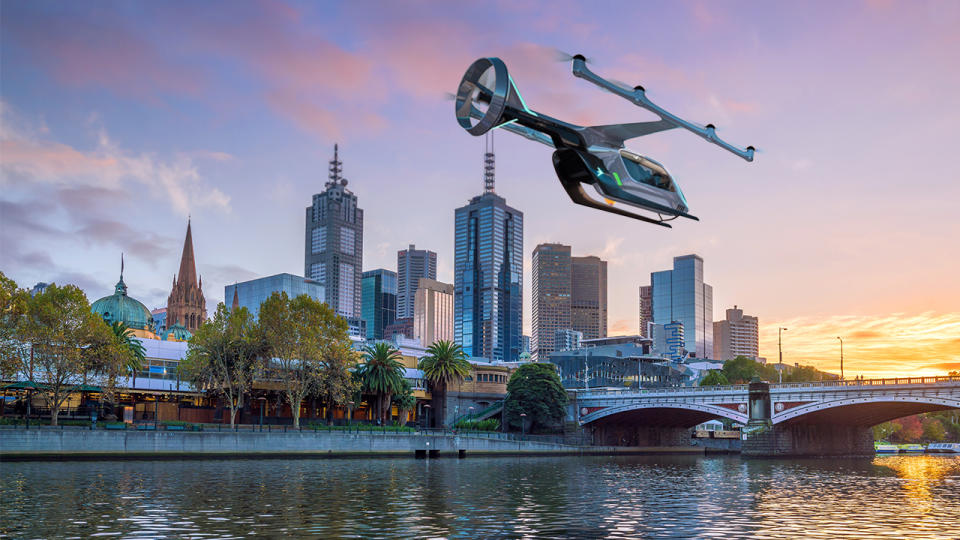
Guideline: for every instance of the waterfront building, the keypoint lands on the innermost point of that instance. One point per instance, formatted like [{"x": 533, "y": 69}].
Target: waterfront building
[
  {"x": 488, "y": 275},
  {"x": 588, "y": 296},
  {"x": 119, "y": 307},
  {"x": 617, "y": 362},
  {"x": 646, "y": 310},
  {"x": 379, "y": 301},
  {"x": 550, "y": 296},
  {"x": 433, "y": 312},
  {"x": 567, "y": 339},
  {"x": 400, "y": 328},
  {"x": 737, "y": 335},
  {"x": 250, "y": 294},
  {"x": 186, "y": 305},
  {"x": 333, "y": 246},
  {"x": 681, "y": 295},
  {"x": 412, "y": 264}
]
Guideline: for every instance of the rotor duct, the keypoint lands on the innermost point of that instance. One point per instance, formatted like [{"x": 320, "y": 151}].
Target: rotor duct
[{"x": 482, "y": 95}]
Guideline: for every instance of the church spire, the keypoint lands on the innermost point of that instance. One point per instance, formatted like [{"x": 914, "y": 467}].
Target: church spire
[
  {"x": 188, "y": 266},
  {"x": 236, "y": 299}
]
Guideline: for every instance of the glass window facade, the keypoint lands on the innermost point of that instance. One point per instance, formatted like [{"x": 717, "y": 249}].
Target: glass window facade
[
  {"x": 318, "y": 240},
  {"x": 250, "y": 294},
  {"x": 681, "y": 295},
  {"x": 379, "y": 301},
  {"x": 348, "y": 241}
]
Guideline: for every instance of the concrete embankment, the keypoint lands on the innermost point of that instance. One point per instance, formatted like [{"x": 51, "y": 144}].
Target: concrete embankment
[{"x": 76, "y": 444}]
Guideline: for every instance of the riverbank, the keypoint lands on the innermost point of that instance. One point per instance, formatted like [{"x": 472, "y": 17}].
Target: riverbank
[{"x": 81, "y": 444}]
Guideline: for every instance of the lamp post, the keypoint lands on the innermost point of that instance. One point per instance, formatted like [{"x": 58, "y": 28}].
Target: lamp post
[
  {"x": 263, "y": 402},
  {"x": 349, "y": 412},
  {"x": 426, "y": 407},
  {"x": 841, "y": 357},
  {"x": 523, "y": 425},
  {"x": 780, "y": 331}
]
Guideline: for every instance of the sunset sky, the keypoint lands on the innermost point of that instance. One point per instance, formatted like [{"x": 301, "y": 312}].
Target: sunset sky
[{"x": 121, "y": 119}]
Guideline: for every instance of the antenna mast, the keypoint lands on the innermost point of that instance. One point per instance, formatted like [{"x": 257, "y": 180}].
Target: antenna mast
[{"x": 488, "y": 164}]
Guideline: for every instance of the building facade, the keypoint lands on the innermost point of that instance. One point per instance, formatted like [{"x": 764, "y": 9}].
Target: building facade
[
  {"x": 550, "y": 296},
  {"x": 412, "y": 264},
  {"x": 250, "y": 294},
  {"x": 681, "y": 295},
  {"x": 488, "y": 278},
  {"x": 400, "y": 329},
  {"x": 379, "y": 301},
  {"x": 588, "y": 296},
  {"x": 646, "y": 310},
  {"x": 737, "y": 335},
  {"x": 566, "y": 339},
  {"x": 333, "y": 250},
  {"x": 620, "y": 362},
  {"x": 433, "y": 312},
  {"x": 186, "y": 305}
]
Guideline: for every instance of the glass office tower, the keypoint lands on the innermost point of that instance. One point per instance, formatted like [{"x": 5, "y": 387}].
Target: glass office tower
[
  {"x": 488, "y": 278},
  {"x": 412, "y": 264},
  {"x": 379, "y": 301},
  {"x": 681, "y": 295},
  {"x": 250, "y": 294}
]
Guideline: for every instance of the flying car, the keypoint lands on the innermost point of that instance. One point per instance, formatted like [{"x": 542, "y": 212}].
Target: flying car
[{"x": 487, "y": 98}]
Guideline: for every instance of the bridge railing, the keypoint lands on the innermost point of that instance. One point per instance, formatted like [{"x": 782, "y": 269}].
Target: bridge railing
[{"x": 870, "y": 382}]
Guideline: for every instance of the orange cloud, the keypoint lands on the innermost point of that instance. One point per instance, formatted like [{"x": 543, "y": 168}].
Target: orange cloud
[{"x": 874, "y": 346}]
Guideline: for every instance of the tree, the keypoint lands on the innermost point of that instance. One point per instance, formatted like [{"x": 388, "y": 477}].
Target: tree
[
  {"x": 933, "y": 430},
  {"x": 13, "y": 304},
  {"x": 714, "y": 378},
  {"x": 221, "y": 356},
  {"x": 382, "y": 374},
  {"x": 445, "y": 363},
  {"x": 535, "y": 390},
  {"x": 136, "y": 358},
  {"x": 61, "y": 334},
  {"x": 297, "y": 334},
  {"x": 405, "y": 401},
  {"x": 740, "y": 370},
  {"x": 336, "y": 384}
]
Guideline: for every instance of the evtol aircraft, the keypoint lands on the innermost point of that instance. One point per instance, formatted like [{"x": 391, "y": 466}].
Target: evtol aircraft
[{"x": 488, "y": 98}]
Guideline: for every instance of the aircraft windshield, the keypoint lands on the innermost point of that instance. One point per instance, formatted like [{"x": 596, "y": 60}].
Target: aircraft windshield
[{"x": 647, "y": 172}]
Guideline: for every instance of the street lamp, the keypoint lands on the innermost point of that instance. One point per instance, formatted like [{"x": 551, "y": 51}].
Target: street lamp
[
  {"x": 780, "y": 331},
  {"x": 841, "y": 357},
  {"x": 263, "y": 401},
  {"x": 523, "y": 425},
  {"x": 349, "y": 412},
  {"x": 427, "y": 407}
]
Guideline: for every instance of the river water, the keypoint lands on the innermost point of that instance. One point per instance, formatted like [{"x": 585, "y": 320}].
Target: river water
[{"x": 593, "y": 497}]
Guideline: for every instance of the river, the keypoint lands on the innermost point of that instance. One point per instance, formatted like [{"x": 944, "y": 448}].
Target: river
[{"x": 590, "y": 497}]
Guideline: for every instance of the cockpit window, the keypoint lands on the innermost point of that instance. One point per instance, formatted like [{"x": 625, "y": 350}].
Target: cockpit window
[{"x": 647, "y": 171}]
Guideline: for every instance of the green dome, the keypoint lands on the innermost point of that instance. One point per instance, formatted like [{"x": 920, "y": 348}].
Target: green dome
[
  {"x": 122, "y": 308},
  {"x": 177, "y": 332}
]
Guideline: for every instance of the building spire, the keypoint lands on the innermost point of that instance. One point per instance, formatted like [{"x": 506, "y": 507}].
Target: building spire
[
  {"x": 336, "y": 168},
  {"x": 236, "y": 298},
  {"x": 489, "y": 160},
  {"x": 188, "y": 266}
]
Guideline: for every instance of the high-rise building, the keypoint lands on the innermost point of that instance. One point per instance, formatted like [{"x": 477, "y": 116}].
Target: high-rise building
[
  {"x": 186, "y": 305},
  {"x": 681, "y": 295},
  {"x": 738, "y": 335},
  {"x": 646, "y": 309},
  {"x": 433, "y": 312},
  {"x": 551, "y": 296},
  {"x": 565, "y": 340},
  {"x": 488, "y": 275},
  {"x": 333, "y": 252},
  {"x": 588, "y": 296},
  {"x": 400, "y": 327},
  {"x": 379, "y": 301},
  {"x": 412, "y": 264},
  {"x": 250, "y": 294}
]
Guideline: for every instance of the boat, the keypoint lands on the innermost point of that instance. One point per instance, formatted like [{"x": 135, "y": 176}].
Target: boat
[
  {"x": 911, "y": 448},
  {"x": 943, "y": 448},
  {"x": 885, "y": 448}
]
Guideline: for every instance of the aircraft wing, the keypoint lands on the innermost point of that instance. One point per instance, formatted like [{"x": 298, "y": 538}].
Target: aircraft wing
[{"x": 615, "y": 134}]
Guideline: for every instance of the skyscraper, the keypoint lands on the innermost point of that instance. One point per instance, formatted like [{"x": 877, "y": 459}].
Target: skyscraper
[
  {"x": 412, "y": 264},
  {"x": 379, "y": 301},
  {"x": 186, "y": 305},
  {"x": 250, "y": 294},
  {"x": 333, "y": 247},
  {"x": 681, "y": 295},
  {"x": 738, "y": 335},
  {"x": 433, "y": 312},
  {"x": 588, "y": 296},
  {"x": 488, "y": 274},
  {"x": 646, "y": 309},
  {"x": 551, "y": 297}
]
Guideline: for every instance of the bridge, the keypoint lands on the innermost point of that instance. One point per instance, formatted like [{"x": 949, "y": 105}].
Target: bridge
[{"x": 812, "y": 418}]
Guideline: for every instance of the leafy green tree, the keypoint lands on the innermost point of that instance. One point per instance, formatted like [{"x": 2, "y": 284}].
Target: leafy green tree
[
  {"x": 933, "y": 430},
  {"x": 337, "y": 384},
  {"x": 61, "y": 334},
  {"x": 221, "y": 356},
  {"x": 382, "y": 375},
  {"x": 714, "y": 378},
  {"x": 138, "y": 355},
  {"x": 13, "y": 304},
  {"x": 444, "y": 363},
  {"x": 535, "y": 390},
  {"x": 405, "y": 401},
  {"x": 297, "y": 335},
  {"x": 740, "y": 370}
]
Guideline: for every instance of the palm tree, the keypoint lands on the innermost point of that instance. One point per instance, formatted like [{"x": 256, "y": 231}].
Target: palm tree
[
  {"x": 405, "y": 401},
  {"x": 381, "y": 374},
  {"x": 445, "y": 362},
  {"x": 138, "y": 354}
]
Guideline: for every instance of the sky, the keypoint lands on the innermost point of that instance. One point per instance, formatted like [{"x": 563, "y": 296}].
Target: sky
[{"x": 120, "y": 120}]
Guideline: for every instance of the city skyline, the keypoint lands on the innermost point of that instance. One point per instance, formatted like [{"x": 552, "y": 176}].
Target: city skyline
[{"x": 104, "y": 157}]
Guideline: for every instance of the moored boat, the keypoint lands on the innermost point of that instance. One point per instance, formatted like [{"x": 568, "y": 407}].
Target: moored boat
[
  {"x": 943, "y": 448},
  {"x": 885, "y": 448},
  {"x": 911, "y": 448}
]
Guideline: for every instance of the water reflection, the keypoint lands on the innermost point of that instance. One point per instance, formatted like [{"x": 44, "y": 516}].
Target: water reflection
[{"x": 625, "y": 497}]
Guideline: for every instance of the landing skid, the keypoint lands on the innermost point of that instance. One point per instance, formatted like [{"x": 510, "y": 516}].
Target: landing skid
[{"x": 575, "y": 190}]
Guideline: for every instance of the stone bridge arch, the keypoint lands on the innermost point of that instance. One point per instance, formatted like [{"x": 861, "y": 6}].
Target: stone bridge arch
[
  {"x": 864, "y": 410},
  {"x": 662, "y": 413}
]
